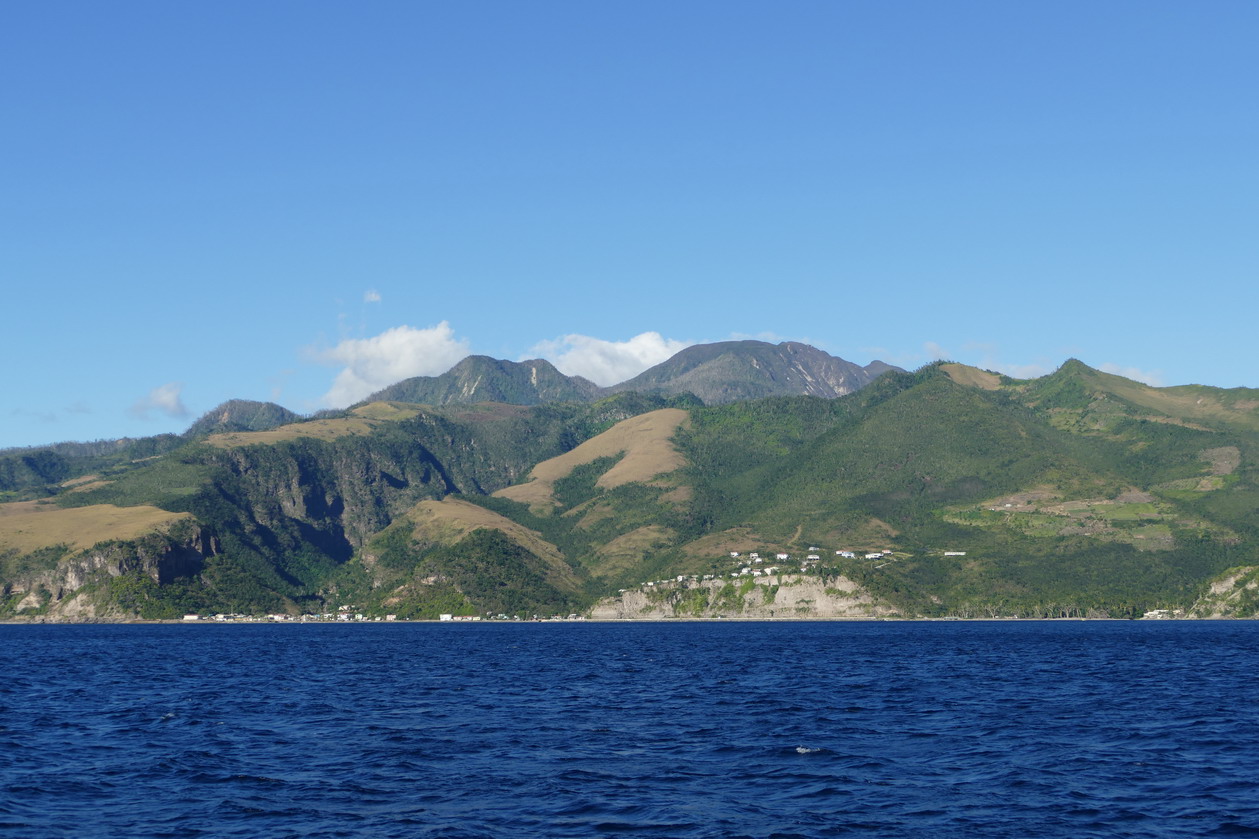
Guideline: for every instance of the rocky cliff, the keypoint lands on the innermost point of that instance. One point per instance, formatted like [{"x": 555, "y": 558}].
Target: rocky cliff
[
  {"x": 1233, "y": 594},
  {"x": 86, "y": 585},
  {"x": 775, "y": 596}
]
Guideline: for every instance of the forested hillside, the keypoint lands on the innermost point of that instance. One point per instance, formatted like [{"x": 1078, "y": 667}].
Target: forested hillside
[{"x": 946, "y": 492}]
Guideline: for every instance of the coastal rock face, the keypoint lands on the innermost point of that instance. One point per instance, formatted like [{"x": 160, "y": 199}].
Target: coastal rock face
[
  {"x": 70, "y": 589},
  {"x": 1234, "y": 594},
  {"x": 778, "y": 596}
]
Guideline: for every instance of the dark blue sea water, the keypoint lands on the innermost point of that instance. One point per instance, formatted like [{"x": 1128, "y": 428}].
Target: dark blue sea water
[{"x": 1057, "y": 729}]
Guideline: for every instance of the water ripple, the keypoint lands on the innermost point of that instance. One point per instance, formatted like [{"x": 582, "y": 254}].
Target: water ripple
[{"x": 1062, "y": 729}]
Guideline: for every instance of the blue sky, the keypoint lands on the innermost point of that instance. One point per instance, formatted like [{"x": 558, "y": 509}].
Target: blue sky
[{"x": 301, "y": 201}]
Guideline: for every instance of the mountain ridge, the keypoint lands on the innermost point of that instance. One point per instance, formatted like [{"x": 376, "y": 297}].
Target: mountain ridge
[
  {"x": 479, "y": 378},
  {"x": 716, "y": 373},
  {"x": 730, "y": 371},
  {"x": 1079, "y": 493}
]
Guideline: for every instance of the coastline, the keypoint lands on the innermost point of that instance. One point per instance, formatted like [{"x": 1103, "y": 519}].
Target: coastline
[{"x": 653, "y": 620}]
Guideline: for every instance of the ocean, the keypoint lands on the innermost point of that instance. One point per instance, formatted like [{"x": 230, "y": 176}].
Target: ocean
[{"x": 721, "y": 729}]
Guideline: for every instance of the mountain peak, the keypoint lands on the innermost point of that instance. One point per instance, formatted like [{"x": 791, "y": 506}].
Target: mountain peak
[
  {"x": 241, "y": 415},
  {"x": 1073, "y": 366},
  {"x": 729, "y": 371},
  {"x": 726, "y": 371},
  {"x": 479, "y": 378}
]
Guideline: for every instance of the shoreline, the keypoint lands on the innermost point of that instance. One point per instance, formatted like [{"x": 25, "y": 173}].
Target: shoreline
[{"x": 898, "y": 619}]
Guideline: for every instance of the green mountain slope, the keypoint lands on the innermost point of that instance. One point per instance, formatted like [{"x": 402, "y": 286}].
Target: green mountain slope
[
  {"x": 41, "y": 471},
  {"x": 241, "y": 415},
  {"x": 1040, "y": 520},
  {"x": 280, "y": 512},
  {"x": 973, "y": 494},
  {"x": 479, "y": 378}
]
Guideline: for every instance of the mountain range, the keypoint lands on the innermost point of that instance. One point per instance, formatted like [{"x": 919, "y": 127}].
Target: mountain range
[
  {"x": 737, "y": 480},
  {"x": 717, "y": 373}
]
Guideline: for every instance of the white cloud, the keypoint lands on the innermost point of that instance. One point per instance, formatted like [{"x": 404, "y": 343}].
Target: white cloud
[
  {"x": 165, "y": 399},
  {"x": 370, "y": 364},
  {"x": 937, "y": 352},
  {"x": 607, "y": 362},
  {"x": 371, "y": 296},
  {"x": 1154, "y": 378}
]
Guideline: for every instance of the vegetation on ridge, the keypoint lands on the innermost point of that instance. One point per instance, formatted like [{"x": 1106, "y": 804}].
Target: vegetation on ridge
[{"x": 1079, "y": 493}]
